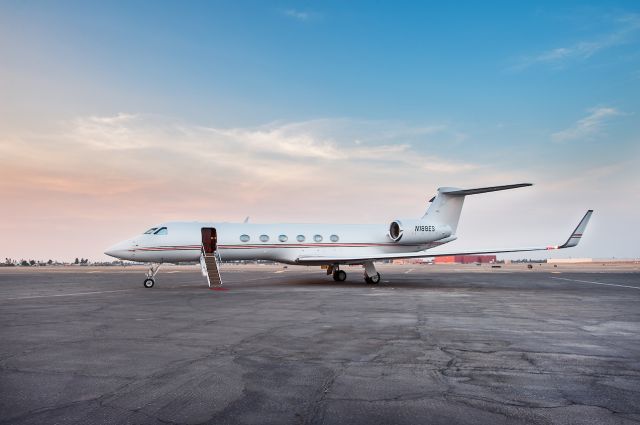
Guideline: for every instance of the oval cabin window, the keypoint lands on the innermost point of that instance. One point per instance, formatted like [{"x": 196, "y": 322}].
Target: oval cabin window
[
  {"x": 334, "y": 238},
  {"x": 300, "y": 238},
  {"x": 317, "y": 238},
  {"x": 244, "y": 238},
  {"x": 264, "y": 238},
  {"x": 283, "y": 238}
]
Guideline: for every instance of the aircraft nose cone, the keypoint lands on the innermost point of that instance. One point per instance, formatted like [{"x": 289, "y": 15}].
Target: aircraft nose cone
[
  {"x": 113, "y": 252},
  {"x": 119, "y": 250}
]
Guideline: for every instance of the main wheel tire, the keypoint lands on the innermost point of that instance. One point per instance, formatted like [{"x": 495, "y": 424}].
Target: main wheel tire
[
  {"x": 339, "y": 275},
  {"x": 148, "y": 283},
  {"x": 373, "y": 280}
]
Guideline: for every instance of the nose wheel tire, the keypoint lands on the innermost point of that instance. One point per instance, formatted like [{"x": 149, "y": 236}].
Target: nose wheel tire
[
  {"x": 148, "y": 283},
  {"x": 372, "y": 280},
  {"x": 339, "y": 275}
]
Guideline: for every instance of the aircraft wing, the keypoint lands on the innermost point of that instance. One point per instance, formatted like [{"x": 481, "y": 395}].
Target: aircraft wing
[{"x": 573, "y": 240}]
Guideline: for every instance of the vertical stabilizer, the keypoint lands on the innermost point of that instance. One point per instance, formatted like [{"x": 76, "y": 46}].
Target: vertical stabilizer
[
  {"x": 445, "y": 209},
  {"x": 446, "y": 206}
]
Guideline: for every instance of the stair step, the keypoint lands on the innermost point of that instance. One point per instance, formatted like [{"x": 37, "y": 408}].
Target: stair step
[{"x": 211, "y": 268}]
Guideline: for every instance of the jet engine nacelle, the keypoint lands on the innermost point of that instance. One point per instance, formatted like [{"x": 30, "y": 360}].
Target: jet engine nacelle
[{"x": 411, "y": 231}]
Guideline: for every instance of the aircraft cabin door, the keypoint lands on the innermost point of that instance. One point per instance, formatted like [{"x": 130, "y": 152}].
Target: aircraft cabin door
[{"x": 209, "y": 240}]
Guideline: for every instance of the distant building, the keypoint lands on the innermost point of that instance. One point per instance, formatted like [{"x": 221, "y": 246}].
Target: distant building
[
  {"x": 465, "y": 259},
  {"x": 592, "y": 260},
  {"x": 569, "y": 260},
  {"x": 412, "y": 261}
]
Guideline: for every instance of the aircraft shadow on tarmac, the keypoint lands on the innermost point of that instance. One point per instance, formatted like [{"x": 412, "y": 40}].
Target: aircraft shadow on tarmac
[
  {"x": 423, "y": 283},
  {"x": 321, "y": 282},
  {"x": 449, "y": 281}
]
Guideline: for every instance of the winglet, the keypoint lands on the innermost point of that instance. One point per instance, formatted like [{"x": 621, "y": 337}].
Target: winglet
[{"x": 577, "y": 234}]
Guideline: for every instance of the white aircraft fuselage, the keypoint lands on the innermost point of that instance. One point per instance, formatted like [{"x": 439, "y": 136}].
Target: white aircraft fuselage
[
  {"x": 285, "y": 243},
  {"x": 329, "y": 245}
]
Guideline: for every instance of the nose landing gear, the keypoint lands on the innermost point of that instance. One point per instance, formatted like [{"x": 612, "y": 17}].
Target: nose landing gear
[{"x": 153, "y": 269}]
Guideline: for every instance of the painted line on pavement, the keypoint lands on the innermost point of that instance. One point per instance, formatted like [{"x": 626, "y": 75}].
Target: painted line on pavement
[
  {"x": 66, "y": 295},
  {"x": 595, "y": 283}
]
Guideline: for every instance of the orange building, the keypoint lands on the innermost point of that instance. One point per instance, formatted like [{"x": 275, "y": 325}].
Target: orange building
[{"x": 465, "y": 259}]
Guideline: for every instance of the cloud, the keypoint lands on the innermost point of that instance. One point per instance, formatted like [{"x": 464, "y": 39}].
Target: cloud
[
  {"x": 586, "y": 127},
  {"x": 298, "y": 14},
  {"x": 625, "y": 28},
  {"x": 112, "y": 132},
  {"x": 135, "y": 155}
]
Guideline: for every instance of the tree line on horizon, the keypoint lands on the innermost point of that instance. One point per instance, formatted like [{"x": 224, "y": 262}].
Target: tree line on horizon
[{"x": 9, "y": 262}]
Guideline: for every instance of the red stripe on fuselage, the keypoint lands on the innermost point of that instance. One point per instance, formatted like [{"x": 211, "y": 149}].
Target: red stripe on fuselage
[{"x": 264, "y": 246}]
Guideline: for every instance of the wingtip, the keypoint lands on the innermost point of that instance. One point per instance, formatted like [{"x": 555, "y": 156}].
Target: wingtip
[{"x": 576, "y": 235}]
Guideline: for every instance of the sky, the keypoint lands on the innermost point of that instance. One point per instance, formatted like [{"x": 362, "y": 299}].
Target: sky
[{"x": 115, "y": 116}]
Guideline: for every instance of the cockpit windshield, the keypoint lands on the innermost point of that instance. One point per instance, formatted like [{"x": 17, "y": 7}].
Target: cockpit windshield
[{"x": 157, "y": 231}]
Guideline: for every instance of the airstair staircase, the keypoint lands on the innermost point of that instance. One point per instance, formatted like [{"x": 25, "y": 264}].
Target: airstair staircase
[{"x": 209, "y": 263}]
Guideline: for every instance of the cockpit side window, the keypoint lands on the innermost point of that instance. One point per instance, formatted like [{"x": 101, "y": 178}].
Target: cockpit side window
[
  {"x": 161, "y": 231},
  {"x": 150, "y": 231}
]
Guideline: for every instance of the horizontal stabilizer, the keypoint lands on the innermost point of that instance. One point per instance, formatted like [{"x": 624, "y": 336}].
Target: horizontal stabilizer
[{"x": 464, "y": 192}]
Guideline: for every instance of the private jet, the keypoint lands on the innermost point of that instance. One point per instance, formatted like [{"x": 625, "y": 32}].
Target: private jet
[{"x": 329, "y": 245}]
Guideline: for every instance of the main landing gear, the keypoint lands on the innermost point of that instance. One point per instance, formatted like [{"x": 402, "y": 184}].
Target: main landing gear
[
  {"x": 153, "y": 269},
  {"x": 339, "y": 275},
  {"x": 371, "y": 276},
  {"x": 372, "y": 280}
]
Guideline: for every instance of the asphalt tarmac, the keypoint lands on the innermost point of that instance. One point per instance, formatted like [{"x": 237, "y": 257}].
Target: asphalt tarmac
[{"x": 429, "y": 345}]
